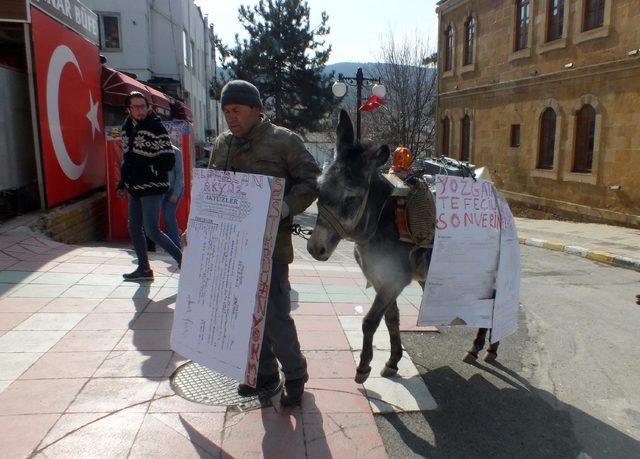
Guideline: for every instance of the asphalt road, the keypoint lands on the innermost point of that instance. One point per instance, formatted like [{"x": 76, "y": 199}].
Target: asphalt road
[{"x": 566, "y": 384}]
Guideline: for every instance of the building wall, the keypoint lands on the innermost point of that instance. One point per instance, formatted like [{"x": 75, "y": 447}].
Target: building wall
[
  {"x": 167, "y": 20},
  {"x": 503, "y": 88},
  {"x": 77, "y": 222},
  {"x": 135, "y": 54},
  {"x": 153, "y": 47}
]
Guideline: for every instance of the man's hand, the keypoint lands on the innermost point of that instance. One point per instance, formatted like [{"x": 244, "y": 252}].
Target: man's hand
[
  {"x": 121, "y": 193},
  {"x": 284, "y": 212},
  {"x": 183, "y": 239},
  {"x": 173, "y": 198}
]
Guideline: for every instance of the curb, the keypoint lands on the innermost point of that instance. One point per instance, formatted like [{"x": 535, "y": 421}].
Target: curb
[{"x": 602, "y": 257}]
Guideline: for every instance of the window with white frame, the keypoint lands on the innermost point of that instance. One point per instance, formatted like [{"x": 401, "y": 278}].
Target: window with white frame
[
  {"x": 193, "y": 55},
  {"x": 585, "y": 139},
  {"x": 448, "y": 49},
  {"x": 523, "y": 19},
  {"x": 555, "y": 19},
  {"x": 465, "y": 137},
  {"x": 446, "y": 136},
  {"x": 593, "y": 15},
  {"x": 547, "y": 142},
  {"x": 186, "y": 49},
  {"x": 469, "y": 37},
  {"x": 110, "y": 31}
]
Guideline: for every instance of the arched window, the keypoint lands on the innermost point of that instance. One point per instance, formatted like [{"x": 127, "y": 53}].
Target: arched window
[
  {"x": 555, "y": 19},
  {"x": 466, "y": 138},
  {"x": 546, "y": 149},
  {"x": 523, "y": 15},
  {"x": 446, "y": 133},
  {"x": 585, "y": 139},
  {"x": 448, "y": 48},
  {"x": 469, "y": 37},
  {"x": 593, "y": 14}
]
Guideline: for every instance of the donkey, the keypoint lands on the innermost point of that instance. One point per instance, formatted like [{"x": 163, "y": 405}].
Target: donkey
[{"x": 355, "y": 203}]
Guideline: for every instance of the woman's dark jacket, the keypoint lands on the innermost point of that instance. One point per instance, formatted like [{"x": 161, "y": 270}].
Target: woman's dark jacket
[{"x": 147, "y": 157}]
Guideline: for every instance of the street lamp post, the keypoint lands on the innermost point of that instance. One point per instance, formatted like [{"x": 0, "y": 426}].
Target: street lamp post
[{"x": 339, "y": 89}]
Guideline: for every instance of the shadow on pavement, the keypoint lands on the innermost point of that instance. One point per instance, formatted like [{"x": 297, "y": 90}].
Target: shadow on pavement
[
  {"x": 475, "y": 418},
  {"x": 308, "y": 426},
  {"x": 143, "y": 303},
  {"x": 205, "y": 448}
]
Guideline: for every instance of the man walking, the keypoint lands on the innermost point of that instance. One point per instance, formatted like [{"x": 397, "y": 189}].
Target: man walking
[
  {"x": 147, "y": 158},
  {"x": 254, "y": 145}
]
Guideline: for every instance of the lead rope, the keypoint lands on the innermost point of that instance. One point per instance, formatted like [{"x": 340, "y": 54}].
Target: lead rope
[{"x": 299, "y": 231}]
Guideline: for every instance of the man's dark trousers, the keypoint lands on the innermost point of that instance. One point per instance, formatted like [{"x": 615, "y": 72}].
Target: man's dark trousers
[{"x": 280, "y": 336}]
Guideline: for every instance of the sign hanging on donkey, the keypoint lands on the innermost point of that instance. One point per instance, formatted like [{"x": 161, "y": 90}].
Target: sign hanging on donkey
[{"x": 474, "y": 275}]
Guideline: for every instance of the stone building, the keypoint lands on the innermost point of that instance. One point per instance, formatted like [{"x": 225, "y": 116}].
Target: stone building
[{"x": 547, "y": 94}]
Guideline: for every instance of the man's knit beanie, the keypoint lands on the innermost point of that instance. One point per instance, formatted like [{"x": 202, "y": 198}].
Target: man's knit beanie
[{"x": 240, "y": 92}]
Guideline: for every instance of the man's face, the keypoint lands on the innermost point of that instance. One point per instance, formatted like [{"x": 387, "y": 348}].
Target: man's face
[
  {"x": 241, "y": 118},
  {"x": 138, "y": 108}
]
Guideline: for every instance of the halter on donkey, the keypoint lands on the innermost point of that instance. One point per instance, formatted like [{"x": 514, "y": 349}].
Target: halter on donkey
[{"x": 355, "y": 203}]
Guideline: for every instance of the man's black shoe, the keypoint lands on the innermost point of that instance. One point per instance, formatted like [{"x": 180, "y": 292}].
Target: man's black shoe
[
  {"x": 268, "y": 383},
  {"x": 293, "y": 391},
  {"x": 139, "y": 274}
]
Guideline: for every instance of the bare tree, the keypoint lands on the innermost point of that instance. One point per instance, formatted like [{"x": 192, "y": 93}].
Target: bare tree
[{"x": 406, "y": 68}]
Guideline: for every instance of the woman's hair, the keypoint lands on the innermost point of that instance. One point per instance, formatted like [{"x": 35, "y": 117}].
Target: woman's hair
[{"x": 133, "y": 95}]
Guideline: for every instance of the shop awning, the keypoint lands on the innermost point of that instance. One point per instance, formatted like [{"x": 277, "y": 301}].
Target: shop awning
[
  {"x": 116, "y": 85},
  {"x": 160, "y": 101},
  {"x": 180, "y": 110}
]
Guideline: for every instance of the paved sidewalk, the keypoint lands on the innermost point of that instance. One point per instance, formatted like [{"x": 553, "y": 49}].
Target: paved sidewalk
[
  {"x": 615, "y": 245},
  {"x": 85, "y": 358},
  {"x": 85, "y": 363}
]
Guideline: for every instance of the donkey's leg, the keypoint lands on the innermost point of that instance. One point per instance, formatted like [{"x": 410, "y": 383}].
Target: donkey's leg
[
  {"x": 492, "y": 351},
  {"x": 478, "y": 344},
  {"x": 369, "y": 326},
  {"x": 392, "y": 319}
]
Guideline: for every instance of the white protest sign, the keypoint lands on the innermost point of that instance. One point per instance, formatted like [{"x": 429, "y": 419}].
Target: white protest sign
[
  {"x": 475, "y": 251},
  {"x": 226, "y": 270},
  {"x": 461, "y": 278},
  {"x": 505, "y": 309}
]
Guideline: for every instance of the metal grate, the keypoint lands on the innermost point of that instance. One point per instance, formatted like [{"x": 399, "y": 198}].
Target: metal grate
[{"x": 201, "y": 385}]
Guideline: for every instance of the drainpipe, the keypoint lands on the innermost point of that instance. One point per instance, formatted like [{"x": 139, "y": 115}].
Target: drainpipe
[{"x": 150, "y": 36}]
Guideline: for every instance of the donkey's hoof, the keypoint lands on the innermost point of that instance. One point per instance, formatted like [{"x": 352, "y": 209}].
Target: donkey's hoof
[
  {"x": 361, "y": 376},
  {"x": 490, "y": 357},
  {"x": 388, "y": 372},
  {"x": 470, "y": 357}
]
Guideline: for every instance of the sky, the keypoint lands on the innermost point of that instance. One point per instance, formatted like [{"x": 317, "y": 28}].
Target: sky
[{"x": 357, "y": 26}]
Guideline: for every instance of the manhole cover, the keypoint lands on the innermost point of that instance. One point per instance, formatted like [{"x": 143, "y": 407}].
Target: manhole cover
[{"x": 201, "y": 385}]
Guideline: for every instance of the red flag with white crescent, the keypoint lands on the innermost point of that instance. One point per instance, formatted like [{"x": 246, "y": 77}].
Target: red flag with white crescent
[
  {"x": 67, "y": 74},
  {"x": 373, "y": 103}
]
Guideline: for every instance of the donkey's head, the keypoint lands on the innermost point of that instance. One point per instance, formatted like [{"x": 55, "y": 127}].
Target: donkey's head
[{"x": 344, "y": 189}]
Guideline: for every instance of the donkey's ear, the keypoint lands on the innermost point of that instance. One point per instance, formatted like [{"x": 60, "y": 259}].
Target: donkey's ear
[
  {"x": 382, "y": 155},
  {"x": 344, "y": 131}
]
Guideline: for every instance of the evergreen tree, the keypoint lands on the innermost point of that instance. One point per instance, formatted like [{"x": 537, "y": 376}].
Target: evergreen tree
[{"x": 285, "y": 59}]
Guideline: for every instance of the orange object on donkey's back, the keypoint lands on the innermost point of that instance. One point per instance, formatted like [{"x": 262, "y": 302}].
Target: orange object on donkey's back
[{"x": 402, "y": 159}]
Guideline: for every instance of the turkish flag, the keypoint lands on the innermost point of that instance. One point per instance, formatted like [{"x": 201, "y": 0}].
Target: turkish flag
[
  {"x": 373, "y": 103},
  {"x": 67, "y": 74}
]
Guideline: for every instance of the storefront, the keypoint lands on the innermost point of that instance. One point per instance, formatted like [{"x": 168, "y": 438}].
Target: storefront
[{"x": 59, "y": 99}]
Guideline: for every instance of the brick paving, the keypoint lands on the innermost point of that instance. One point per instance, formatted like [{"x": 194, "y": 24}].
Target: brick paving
[{"x": 85, "y": 363}]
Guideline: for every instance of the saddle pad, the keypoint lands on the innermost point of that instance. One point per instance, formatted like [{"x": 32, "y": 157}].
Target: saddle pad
[{"x": 421, "y": 216}]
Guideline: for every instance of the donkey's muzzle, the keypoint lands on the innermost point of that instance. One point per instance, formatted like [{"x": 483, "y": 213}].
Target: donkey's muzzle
[
  {"x": 322, "y": 243},
  {"x": 318, "y": 250}
]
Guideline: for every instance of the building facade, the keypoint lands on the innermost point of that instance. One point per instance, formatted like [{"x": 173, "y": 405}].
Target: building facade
[
  {"x": 546, "y": 93},
  {"x": 167, "y": 43}
]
